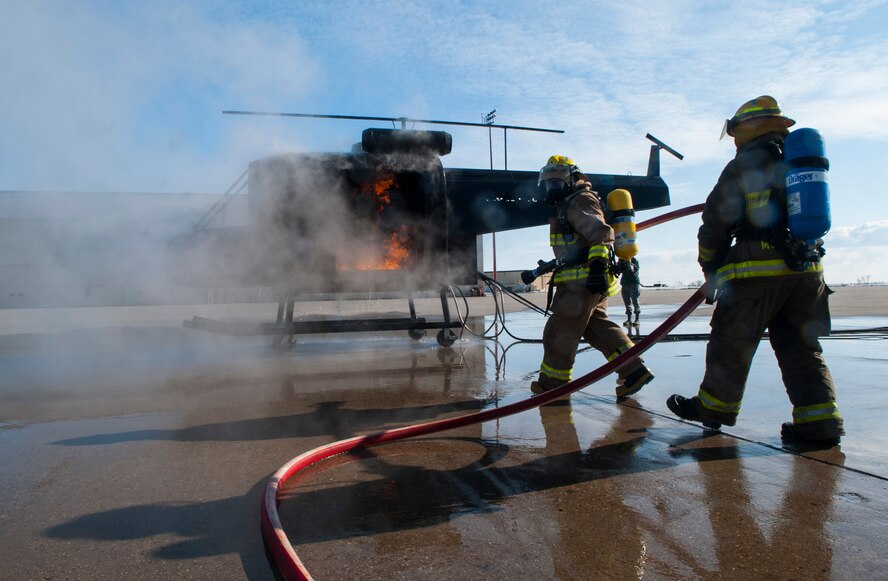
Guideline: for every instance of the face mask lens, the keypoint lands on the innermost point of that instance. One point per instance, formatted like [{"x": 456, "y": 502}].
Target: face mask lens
[
  {"x": 555, "y": 185},
  {"x": 554, "y": 172}
]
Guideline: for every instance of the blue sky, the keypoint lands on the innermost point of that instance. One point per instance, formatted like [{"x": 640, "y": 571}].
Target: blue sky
[{"x": 127, "y": 96}]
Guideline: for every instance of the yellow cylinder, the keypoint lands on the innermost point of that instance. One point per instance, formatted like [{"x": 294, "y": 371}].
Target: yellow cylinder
[{"x": 619, "y": 202}]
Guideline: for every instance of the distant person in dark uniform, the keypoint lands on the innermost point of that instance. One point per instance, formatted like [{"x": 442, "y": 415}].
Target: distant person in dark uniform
[{"x": 630, "y": 281}]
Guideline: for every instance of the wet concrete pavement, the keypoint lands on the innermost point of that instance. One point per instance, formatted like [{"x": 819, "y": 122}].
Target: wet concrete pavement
[{"x": 133, "y": 447}]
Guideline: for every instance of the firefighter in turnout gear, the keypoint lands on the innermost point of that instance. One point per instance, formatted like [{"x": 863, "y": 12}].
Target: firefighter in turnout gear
[
  {"x": 582, "y": 243},
  {"x": 760, "y": 285}
]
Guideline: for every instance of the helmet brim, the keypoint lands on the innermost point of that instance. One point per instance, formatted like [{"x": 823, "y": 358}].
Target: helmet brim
[{"x": 731, "y": 124}]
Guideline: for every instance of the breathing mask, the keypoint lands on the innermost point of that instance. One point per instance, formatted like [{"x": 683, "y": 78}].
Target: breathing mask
[{"x": 555, "y": 179}]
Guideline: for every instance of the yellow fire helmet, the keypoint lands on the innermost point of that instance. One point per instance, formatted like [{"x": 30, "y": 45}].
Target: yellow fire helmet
[
  {"x": 557, "y": 167},
  {"x": 754, "y": 118}
]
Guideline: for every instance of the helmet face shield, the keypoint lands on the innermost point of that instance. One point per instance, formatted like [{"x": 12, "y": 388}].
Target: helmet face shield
[
  {"x": 555, "y": 178},
  {"x": 555, "y": 190},
  {"x": 728, "y": 126},
  {"x": 554, "y": 171}
]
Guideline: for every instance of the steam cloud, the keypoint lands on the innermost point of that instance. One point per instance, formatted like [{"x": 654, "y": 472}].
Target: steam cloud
[{"x": 334, "y": 223}]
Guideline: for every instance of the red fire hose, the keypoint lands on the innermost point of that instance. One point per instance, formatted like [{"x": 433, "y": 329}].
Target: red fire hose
[{"x": 288, "y": 562}]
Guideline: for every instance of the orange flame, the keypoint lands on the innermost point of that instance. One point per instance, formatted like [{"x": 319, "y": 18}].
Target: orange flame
[
  {"x": 395, "y": 253},
  {"x": 396, "y": 248},
  {"x": 380, "y": 188}
]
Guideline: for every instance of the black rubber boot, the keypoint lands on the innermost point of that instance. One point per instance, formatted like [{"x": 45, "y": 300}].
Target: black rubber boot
[
  {"x": 633, "y": 382},
  {"x": 790, "y": 433},
  {"x": 542, "y": 386},
  {"x": 537, "y": 387},
  {"x": 688, "y": 408}
]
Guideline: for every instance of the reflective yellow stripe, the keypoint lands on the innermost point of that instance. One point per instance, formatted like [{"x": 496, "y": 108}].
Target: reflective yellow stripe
[
  {"x": 816, "y": 413},
  {"x": 599, "y": 251},
  {"x": 596, "y": 252},
  {"x": 557, "y": 416},
  {"x": 582, "y": 273},
  {"x": 757, "y": 199},
  {"x": 562, "y": 374},
  {"x": 621, "y": 349},
  {"x": 754, "y": 109},
  {"x": 758, "y": 209},
  {"x": 705, "y": 254},
  {"x": 569, "y": 274},
  {"x": 760, "y": 268},
  {"x": 614, "y": 287},
  {"x": 716, "y": 405}
]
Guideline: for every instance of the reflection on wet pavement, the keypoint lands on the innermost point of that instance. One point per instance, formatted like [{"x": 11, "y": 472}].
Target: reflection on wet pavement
[{"x": 144, "y": 452}]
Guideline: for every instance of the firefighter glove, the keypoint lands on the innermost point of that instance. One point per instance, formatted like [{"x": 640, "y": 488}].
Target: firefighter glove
[{"x": 597, "y": 282}]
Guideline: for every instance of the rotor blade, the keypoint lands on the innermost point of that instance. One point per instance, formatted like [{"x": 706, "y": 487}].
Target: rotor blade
[
  {"x": 515, "y": 127},
  {"x": 312, "y": 115},
  {"x": 393, "y": 119}
]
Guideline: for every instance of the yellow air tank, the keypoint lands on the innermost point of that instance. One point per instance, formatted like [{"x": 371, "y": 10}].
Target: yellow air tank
[{"x": 623, "y": 222}]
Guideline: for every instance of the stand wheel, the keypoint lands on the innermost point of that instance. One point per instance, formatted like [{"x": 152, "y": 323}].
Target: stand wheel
[
  {"x": 446, "y": 337},
  {"x": 283, "y": 344},
  {"x": 416, "y": 334}
]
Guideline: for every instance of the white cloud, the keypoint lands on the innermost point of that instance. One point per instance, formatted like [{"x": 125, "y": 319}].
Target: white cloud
[
  {"x": 669, "y": 266},
  {"x": 864, "y": 234},
  {"x": 856, "y": 264}
]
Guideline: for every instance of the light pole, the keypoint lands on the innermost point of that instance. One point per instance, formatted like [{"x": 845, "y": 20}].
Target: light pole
[{"x": 488, "y": 120}]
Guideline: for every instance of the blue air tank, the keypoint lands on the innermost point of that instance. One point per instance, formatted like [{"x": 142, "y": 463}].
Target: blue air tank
[{"x": 807, "y": 188}]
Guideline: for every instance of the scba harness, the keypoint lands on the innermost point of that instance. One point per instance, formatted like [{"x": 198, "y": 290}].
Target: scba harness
[
  {"x": 766, "y": 220},
  {"x": 592, "y": 264}
]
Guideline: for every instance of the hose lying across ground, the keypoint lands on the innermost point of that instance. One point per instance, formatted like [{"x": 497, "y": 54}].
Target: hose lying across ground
[{"x": 285, "y": 557}]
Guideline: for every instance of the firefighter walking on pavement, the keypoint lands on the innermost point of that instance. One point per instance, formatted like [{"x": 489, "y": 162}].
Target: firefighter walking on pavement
[
  {"x": 762, "y": 278},
  {"x": 582, "y": 243}
]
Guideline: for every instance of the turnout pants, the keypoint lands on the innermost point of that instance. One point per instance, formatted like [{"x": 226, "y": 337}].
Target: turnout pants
[
  {"x": 579, "y": 314},
  {"x": 795, "y": 311},
  {"x": 630, "y": 299}
]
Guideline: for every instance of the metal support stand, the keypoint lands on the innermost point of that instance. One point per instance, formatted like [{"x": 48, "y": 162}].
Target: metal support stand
[
  {"x": 285, "y": 328},
  {"x": 446, "y": 337}
]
